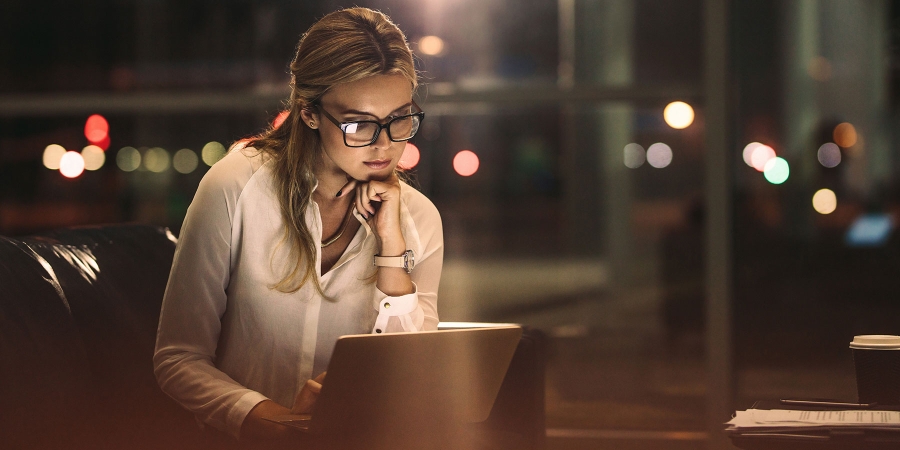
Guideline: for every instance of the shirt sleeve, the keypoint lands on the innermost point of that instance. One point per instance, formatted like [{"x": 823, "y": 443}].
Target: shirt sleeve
[
  {"x": 195, "y": 300},
  {"x": 417, "y": 311}
]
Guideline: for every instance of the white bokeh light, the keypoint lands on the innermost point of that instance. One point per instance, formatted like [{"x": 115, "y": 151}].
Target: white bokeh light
[{"x": 659, "y": 155}]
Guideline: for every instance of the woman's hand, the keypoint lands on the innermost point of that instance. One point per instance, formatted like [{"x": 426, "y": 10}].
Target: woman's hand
[
  {"x": 306, "y": 399},
  {"x": 257, "y": 427},
  {"x": 379, "y": 203}
]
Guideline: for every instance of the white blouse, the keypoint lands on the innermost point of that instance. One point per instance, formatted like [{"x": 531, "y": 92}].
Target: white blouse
[{"x": 227, "y": 340}]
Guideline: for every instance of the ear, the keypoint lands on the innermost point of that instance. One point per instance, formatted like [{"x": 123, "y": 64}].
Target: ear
[{"x": 310, "y": 118}]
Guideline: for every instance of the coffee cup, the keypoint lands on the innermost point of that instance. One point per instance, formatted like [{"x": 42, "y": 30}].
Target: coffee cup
[{"x": 877, "y": 361}]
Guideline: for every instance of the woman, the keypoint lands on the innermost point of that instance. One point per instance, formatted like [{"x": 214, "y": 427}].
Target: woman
[{"x": 303, "y": 236}]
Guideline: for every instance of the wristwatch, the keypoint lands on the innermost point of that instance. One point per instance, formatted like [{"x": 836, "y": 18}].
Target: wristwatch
[{"x": 405, "y": 261}]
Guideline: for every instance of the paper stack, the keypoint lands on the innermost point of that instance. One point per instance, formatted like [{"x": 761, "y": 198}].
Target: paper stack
[{"x": 783, "y": 420}]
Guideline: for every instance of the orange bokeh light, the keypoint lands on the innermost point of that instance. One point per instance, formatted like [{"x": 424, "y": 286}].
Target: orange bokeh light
[
  {"x": 761, "y": 155},
  {"x": 465, "y": 163},
  {"x": 410, "y": 156},
  {"x": 96, "y": 129},
  {"x": 279, "y": 119},
  {"x": 845, "y": 135}
]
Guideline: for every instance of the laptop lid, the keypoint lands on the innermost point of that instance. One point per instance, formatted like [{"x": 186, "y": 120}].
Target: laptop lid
[{"x": 423, "y": 380}]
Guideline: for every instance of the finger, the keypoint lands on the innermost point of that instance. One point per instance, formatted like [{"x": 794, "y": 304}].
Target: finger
[
  {"x": 307, "y": 397},
  {"x": 351, "y": 183},
  {"x": 370, "y": 196},
  {"x": 321, "y": 378},
  {"x": 374, "y": 191},
  {"x": 360, "y": 201}
]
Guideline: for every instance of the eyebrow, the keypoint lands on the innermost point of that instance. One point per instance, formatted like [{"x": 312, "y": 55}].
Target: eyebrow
[{"x": 364, "y": 113}]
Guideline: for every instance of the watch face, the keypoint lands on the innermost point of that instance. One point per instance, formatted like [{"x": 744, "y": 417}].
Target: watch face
[{"x": 410, "y": 260}]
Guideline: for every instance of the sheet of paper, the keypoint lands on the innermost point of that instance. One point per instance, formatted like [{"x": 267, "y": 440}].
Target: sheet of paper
[{"x": 763, "y": 418}]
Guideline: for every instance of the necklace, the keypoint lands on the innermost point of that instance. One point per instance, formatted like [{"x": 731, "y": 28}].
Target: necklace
[{"x": 340, "y": 232}]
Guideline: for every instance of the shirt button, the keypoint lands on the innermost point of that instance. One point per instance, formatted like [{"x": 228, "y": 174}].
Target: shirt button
[{"x": 387, "y": 306}]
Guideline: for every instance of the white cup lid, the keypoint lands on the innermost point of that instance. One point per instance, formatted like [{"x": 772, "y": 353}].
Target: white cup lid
[{"x": 876, "y": 341}]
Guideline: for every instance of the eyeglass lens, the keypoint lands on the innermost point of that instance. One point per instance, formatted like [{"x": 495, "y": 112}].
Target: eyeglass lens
[{"x": 363, "y": 133}]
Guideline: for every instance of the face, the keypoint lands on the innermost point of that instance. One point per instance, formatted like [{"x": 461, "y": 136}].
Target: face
[{"x": 378, "y": 98}]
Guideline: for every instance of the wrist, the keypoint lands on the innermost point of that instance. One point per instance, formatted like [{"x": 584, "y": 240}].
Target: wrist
[{"x": 394, "y": 246}]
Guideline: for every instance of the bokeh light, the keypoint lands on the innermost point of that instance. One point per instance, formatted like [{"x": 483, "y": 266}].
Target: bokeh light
[
  {"x": 410, "y": 156},
  {"x": 279, "y": 119},
  {"x": 156, "y": 160},
  {"x": 94, "y": 157},
  {"x": 819, "y": 68},
  {"x": 465, "y": 163},
  {"x": 824, "y": 201},
  {"x": 634, "y": 155},
  {"x": 431, "y": 45},
  {"x": 71, "y": 164},
  {"x": 777, "y": 170},
  {"x": 829, "y": 155},
  {"x": 104, "y": 144},
  {"x": 678, "y": 115},
  {"x": 761, "y": 155},
  {"x": 212, "y": 152},
  {"x": 748, "y": 152},
  {"x": 185, "y": 161},
  {"x": 128, "y": 159},
  {"x": 96, "y": 129},
  {"x": 845, "y": 135},
  {"x": 659, "y": 155},
  {"x": 52, "y": 154}
]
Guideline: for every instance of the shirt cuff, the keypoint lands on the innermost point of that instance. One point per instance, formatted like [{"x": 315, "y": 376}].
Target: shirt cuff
[
  {"x": 389, "y": 307},
  {"x": 240, "y": 410}
]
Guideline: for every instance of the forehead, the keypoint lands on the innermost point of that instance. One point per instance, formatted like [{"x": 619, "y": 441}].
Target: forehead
[{"x": 379, "y": 95}]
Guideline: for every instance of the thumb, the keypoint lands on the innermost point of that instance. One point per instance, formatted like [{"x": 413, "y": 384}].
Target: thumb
[{"x": 305, "y": 400}]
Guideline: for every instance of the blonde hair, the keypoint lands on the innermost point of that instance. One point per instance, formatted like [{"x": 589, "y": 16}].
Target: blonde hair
[{"x": 342, "y": 47}]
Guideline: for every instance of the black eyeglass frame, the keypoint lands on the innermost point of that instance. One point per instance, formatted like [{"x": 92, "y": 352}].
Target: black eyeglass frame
[{"x": 341, "y": 125}]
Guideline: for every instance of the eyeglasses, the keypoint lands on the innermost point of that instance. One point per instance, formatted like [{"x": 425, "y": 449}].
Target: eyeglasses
[{"x": 361, "y": 133}]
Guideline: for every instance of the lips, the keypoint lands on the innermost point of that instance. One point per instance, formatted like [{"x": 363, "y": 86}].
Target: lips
[{"x": 378, "y": 164}]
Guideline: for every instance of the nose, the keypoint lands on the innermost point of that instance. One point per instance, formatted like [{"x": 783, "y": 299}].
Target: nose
[{"x": 382, "y": 141}]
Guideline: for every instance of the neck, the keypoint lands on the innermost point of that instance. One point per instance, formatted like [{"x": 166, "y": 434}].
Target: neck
[{"x": 330, "y": 181}]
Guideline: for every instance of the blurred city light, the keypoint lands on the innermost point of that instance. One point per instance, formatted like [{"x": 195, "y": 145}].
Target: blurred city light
[
  {"x": 634, "y": 155},
  {"x": 845, "y": 135},
  {"x": 824, "y": 201},
  {"x": 53, "y": 153},
  {"x": 104, "y": 144},
  {"x": 678, "y": 115},
  {"x": 465, "y": 163},
  {"x": 659, "y": 155},
  {"x": 71, "y": 164},
  {"x": 748, "y": 153},
  {"x": 185, "y": 161},
  {"x": 431, "y": 45},
  {"x": 128, "y": 159},
  {"x": 212, "y": 152},
  {"x": 156, "y": 160},
  {"x": 829, "y": 155},
  {"x": 410, "y": 156},
  {"x": 777, "y": 170},
  {"x": 279, "y": 119},
  {"x": 94, "y": 157},
  {"x": 761, "y": 156},
  {"x": 96, "y": 129},
  {"x": 819, "y": 68}
]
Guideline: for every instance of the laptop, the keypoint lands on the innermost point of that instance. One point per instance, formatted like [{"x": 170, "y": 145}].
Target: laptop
[{"x": 392, "y": 383}]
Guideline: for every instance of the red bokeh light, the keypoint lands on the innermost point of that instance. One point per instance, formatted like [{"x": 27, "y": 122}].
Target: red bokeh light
[
  {"x": 279, "y": 119},
  {"x": 96, "y": 129},
  {"x": 410, "y": 157},
  {"x": 465, "y": 163},
  {"x": 104, "y": 144}
]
